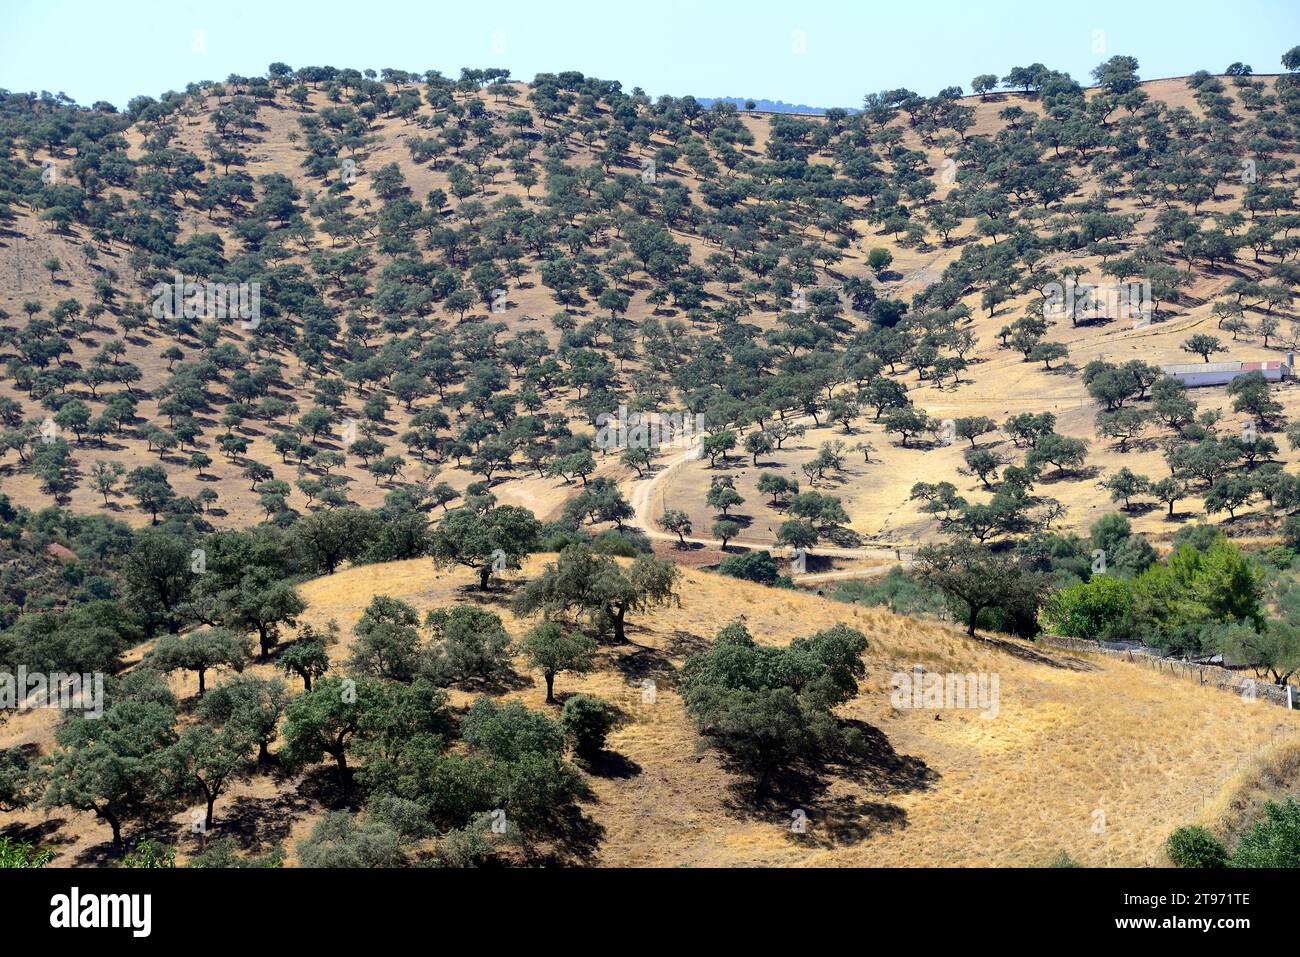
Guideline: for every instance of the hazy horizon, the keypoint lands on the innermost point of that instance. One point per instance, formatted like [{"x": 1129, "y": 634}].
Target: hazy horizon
[{"x": 818, "y": 58}]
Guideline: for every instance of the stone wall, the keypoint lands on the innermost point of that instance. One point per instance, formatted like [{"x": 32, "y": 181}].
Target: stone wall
[{"x": 1225, "y": 679}]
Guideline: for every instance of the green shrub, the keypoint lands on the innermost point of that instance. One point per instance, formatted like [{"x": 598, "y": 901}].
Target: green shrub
[
  {"x": 340, "y": 840},
  {"x": 587, "y": 721},
  {"x": 1202, "y": 536},
  {"x": 151, "y": 855},
  {"x": 752, "y": 566},
  {"x": 625, "y": 543},
  {"x": 1291, "y": 532},
  {"x": 1280, "y": 556},
  {"x": 1063, "y": 859},
  {"x": 897, "y": 590},
  {"x": 1195, "y": 847},
  {"x": 1273, "y": 841},
  {"x": 465, "y": 847},
  {"x": 224, "y": 853},
  {"x": 1098, "y": 608},
  {"x": 14, "y": 854}
]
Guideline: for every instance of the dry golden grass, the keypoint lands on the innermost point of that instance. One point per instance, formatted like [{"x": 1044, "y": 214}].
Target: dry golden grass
[
  {"x": 997, "y": 384},
  {"x": 1149, "y": 752},
  {"x": 1270, "y": 775},
  {"x": 1073, "y": 736}
]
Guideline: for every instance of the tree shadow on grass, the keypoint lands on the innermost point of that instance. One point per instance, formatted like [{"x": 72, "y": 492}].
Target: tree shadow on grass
[
  {"x": 498, "y": 683},
  {"x": 646, "y": 664},
  {"x": 322, "y": 785},
  {"x": 1028, "y": 653},
  {"x": 103, "y": 854},
  {"x": 683, "y": 644},
  {"x": 573, "y": 839},
  {"x": 835, "y": 819},
  {"x": 44, "y": 833},
  {"x": 499, "y": 592},
  {"x": 846, "y": 820},
  {"x": 260, "y": 823},
  {"x": 610, "y": 764},
  {"x": 1071, "y": 475}
]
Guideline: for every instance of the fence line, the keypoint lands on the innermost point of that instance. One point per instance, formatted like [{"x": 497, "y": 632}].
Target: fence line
[{"x": 1212, "y": 676}]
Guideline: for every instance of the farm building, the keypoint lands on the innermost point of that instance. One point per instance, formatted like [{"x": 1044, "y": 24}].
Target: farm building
[{"x": 1192, "y": 374}]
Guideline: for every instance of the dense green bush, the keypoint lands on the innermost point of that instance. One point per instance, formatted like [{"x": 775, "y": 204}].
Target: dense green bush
[
  {"x": 623, "y": 542},
  {"x": 1273, "y": 841},
  {"x": 340, "y": 840},
  {"x": 1281, "y": 557},
  {"x": 1099, "y": 609},
  {"x": 151, "y": 855},
  {"x": 757, "y": 566},
  {"x": 1194, "y": 846},
  {"x": 1291, "y": 532},
  {"x": 15, "y": 854},
  {"x": 896, "y": 590},
  {"x": 770, "y": 708},
  {"x": 587, "y": 721}
]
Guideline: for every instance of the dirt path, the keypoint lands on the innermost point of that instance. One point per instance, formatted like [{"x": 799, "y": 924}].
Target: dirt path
[{"x": 641, "y": 493}]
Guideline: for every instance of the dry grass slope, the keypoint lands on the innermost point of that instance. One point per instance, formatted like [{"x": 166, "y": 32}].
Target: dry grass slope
[
  {"x": 997, "y": 383},
  {"x": 1071, "y": 737}
]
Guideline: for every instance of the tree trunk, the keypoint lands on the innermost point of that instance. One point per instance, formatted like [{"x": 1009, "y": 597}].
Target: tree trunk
[
  {"x": 203, "y": 673},
  {"x": 970, "y": 623},
  {"x": 114, "y": 823},
  {"x": 550, "y": 687}
]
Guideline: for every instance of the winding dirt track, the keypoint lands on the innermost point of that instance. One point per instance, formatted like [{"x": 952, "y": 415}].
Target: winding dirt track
[{"x": 641, "y": 492}]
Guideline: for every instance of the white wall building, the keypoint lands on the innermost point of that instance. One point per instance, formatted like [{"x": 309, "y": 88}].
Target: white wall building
[{"x": 1193, "y": 374}]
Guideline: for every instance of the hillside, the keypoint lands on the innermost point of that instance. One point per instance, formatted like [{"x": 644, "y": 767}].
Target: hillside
[
  {"x": 426, "y": 251},
  {"x": 951, "y": 789},
  {"x": 313, "y": 447}
]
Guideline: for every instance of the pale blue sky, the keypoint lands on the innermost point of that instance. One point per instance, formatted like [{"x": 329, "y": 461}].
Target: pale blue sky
[{"x": 820, "y": 54}]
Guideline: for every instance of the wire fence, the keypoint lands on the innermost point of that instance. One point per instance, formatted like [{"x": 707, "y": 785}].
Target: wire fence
[{"x": 1214, "y": 676}]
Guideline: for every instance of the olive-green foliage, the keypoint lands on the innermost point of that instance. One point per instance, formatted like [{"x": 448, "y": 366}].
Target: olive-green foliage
[
  {"x": 1273, "y": 841},
  {"x": 340, "y": 839},
  {"x": 896, "y": 590},
  {"x": 587, "y": 721},
  {"x": 768, "y": 708},
  {"x": 1195, "y": 847}
]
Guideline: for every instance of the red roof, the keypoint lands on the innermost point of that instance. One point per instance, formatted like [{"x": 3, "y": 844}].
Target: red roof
[{"x": 1261, "y": 366}]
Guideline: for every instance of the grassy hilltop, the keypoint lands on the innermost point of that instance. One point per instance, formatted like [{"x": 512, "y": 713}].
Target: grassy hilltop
[{"x": 332, "y": 552}]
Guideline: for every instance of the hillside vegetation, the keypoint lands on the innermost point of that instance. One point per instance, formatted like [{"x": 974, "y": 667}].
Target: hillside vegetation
[
  {"x": 322, "y": 409},
  {"x": 457, "y": 278},
  {"x": 1149, "y": 753}
]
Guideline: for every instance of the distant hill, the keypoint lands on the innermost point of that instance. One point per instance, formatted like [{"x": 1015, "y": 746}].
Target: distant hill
[{"x": 771, "y": 106}]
